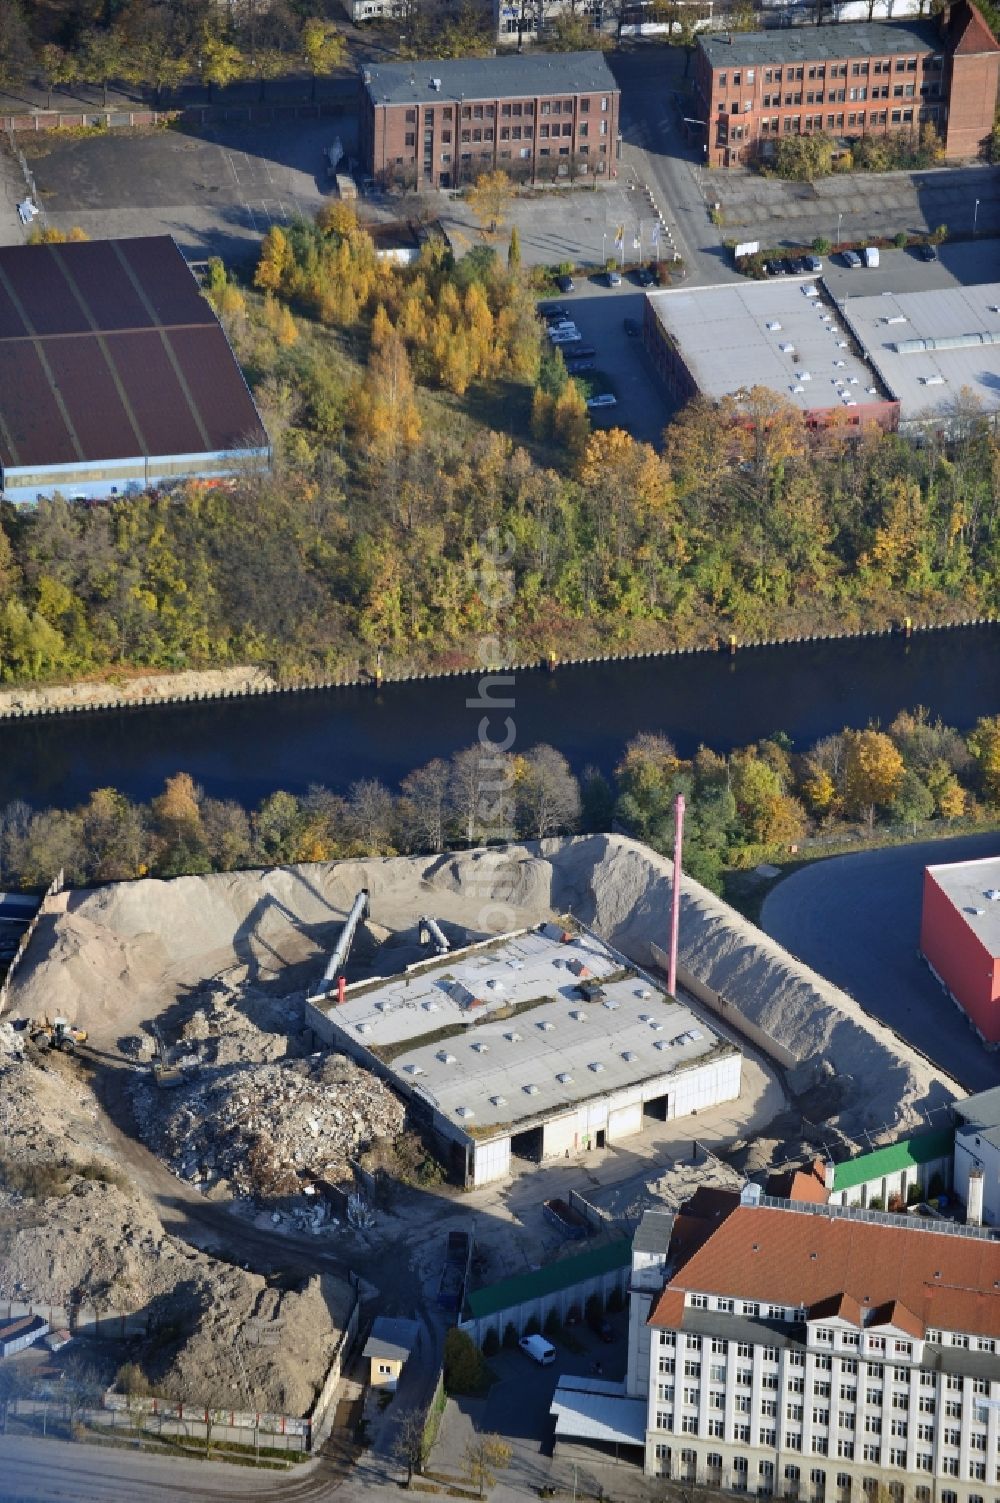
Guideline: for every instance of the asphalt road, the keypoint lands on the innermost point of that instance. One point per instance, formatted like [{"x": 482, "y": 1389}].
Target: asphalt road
[{"x": 856, "y": 920}]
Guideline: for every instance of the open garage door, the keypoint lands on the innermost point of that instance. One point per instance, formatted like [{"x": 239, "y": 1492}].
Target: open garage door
[{"x": 657, "y": 1109}]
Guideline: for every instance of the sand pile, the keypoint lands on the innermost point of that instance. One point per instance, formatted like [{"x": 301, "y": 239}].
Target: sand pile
[{"x": 140, "y": 946}]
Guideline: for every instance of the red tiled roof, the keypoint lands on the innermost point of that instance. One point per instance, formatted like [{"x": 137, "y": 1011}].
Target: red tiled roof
[
  {"x": 841, "y": 1306},
  {"x": 800, "y": 1184},
  {"x": 789, "y": 1257},
  {"x": 968, "y": 33},
  {"x": 895, "y": 1314}
]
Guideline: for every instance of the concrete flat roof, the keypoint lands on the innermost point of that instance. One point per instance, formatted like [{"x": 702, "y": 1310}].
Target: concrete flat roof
[
  {"x": 882, "y": 322},
  {"x": 438, "y": 1028},
  {"x": 966, "y": 884},
  {"x": 771, "y": 333}
]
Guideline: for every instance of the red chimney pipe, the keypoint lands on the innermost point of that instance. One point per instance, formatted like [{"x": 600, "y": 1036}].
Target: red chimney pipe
[
  {"x": 675, "y": 896},
  {"x": 341, "y": 989}
]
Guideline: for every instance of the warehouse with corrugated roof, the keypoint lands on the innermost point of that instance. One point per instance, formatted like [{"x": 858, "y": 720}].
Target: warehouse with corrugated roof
[{"x": 115, "y": 374}]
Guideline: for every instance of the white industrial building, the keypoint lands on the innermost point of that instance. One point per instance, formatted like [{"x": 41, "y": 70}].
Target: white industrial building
[
  {"x": 535, "y": 1045},
  {"x": 808, "y": 1351},
  {"x": 933, "y": 350},
  {"x": 977, "y": 1148}
]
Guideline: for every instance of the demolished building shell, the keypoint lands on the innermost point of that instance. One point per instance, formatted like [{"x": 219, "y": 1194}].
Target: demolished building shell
[{"x": 536, "y": 1044}]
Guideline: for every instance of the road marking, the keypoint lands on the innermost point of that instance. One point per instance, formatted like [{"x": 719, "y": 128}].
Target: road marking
[
  {"x": 253, "y": 222},
  {"x": 232, "y": 165}
]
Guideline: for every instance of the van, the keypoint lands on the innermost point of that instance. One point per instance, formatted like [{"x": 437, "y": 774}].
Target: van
[
  {"x": 538, "y": 1349},
  {"x": 870, "y": 254}
]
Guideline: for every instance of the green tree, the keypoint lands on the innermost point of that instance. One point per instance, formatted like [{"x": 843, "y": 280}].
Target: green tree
[
  {"x": 804, "y": 158},
  {"x": 514, "y": 250},
  {"x": 914, "y": 801}
]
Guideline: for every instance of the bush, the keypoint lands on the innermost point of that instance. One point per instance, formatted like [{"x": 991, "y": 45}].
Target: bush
[
  {"x": 822, "y": 246},
  {"x": 553, "y": 1325},
  {"x": 594, "y": 1311},
  {"x": 876, "y": 1203},
  {"x": 901, "y": 240},
  {"x": 914, "y": 1195},
  {"x": 801, "y": 159},
  {"x": 464, "y": 1368},
  {"x": 510, "y": 1336},
  {"x": 491, "y": 1342},
  {"x": 533, "y": 1327}
]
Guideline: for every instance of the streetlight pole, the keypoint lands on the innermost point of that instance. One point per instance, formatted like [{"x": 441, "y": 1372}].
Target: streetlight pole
[
  {"x": 840, "y": 220},
  {"x": 975, "y": 218}
]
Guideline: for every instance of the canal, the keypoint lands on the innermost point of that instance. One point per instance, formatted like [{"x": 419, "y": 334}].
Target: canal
[{"x": 244, "y": 749}]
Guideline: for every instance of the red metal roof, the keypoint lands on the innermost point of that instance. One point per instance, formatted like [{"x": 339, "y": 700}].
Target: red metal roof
[{"x": 109, "y": 351}]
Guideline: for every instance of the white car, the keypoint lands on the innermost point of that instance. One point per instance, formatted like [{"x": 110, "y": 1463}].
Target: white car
[
  {"x": 566, "y": 336},
  {"x": 603, "y": 399},
  {"x": 538, "y": 1349}
]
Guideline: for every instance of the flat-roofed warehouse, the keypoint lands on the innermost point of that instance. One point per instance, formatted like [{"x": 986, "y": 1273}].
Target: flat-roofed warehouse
[
  {"x": 115, "y": 374},
  {"x": 934, "y": 350},
  {"x": 533, "y": 1045},
  {"x": 783, "y": 334}
]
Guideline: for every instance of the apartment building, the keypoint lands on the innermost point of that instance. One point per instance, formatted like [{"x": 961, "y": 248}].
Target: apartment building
[
  {"x": 819, "y": 1352},
  {"x": 849, "y": 81},
  {"x": 441, "y": 124}
]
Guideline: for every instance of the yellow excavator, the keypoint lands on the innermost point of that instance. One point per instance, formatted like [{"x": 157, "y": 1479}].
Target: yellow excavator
[{"x": 59, "y": 1034}]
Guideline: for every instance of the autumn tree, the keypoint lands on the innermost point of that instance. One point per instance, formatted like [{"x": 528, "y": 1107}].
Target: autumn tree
[
  {"x": 514, "y": 250},
  {"x": 873, "y": 773},
  {"x": 489, "y": 199},
  {"x": 485, "y": 1455},
  {"x": 180, "y": 834},
  {"x": 385, "y": 407},
  {"x": 324, "y": 49},
  {"x": 547, "y": 795},
  {"x": 984, "y": 743}
]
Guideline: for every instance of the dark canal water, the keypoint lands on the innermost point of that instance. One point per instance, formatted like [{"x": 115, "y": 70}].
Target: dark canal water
[{"x": 245, "y": 749}]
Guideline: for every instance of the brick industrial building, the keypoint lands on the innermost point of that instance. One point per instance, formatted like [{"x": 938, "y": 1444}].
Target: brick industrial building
[
  {"x": 849, "y": 81},
  {"x": 441, "y": 124},
  {"x": 960, "y": 938}
]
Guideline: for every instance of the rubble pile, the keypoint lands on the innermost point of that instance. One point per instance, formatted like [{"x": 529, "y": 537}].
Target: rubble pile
[
  {"x": 268, "y": 1129},
  {"x": 234, "y": 1024}
]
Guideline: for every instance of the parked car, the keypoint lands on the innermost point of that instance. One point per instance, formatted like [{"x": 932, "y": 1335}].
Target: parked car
[
  {"x": 788, "y": 267},
  {"x": 552, "y": 311},
  {"x": 870, "y": 256},
  {"x": 927, "y": 252},
  {"x": 576, "y": 366},
  {"x": 581, "y": 352},
  {"x": 558, "y": 325},
  {"x": 773, "y": 268},
  {"x": 566, "y": 336},
  {"x": 613, "y": 278},
  {"x": 645, "y": 277},
  {"x": 631, "y": 328},
  {"x": 852, "y": 260},
  {"x": 814, "y": 264},
  {"x": 799, "y": 266},
  {"x": 538, "y": 1349},
  {"x": 565, "y": 284},
  {"x": 603, "y": 399}
]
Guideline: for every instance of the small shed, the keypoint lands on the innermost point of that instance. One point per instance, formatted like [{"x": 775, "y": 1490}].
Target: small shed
[{"x": 388, "y": 1348}]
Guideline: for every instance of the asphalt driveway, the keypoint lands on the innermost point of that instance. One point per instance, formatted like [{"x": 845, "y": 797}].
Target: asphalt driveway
[{"x": 856, "y": 920}]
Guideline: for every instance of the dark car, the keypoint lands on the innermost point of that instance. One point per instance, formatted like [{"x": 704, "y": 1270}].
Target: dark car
[
  {"x": 613, "y": 278},
  {"x": 565, "y": 284},
  {"x": 580, "y": 352},
  {"x": 773, "y": 268},
  {"x": 799, "y": 266},
  {"x": 644, "y": 277},
  {"x": 552, "y": 311},
  {"x": 631, "y": 328},
  {"x": 927, "y": 252},
  {"x": 584, "y": 363}
]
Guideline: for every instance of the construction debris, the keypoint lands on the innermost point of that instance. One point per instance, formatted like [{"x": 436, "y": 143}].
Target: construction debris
[{"x": 269, "y": 1130}]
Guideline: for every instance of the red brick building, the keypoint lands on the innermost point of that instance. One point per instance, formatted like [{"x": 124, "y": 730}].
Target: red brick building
[
  {"x": 540, "y": 117},
  {"x": 960, "y": 938},
  {"x": 849, "y": 81}
]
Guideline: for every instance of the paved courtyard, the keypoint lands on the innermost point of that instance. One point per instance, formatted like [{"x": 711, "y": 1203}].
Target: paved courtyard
[{"x": 216, "y": 190}]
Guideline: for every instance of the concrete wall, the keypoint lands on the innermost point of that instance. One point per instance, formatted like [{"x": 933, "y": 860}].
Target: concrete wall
[{"x": 969, "y": 1155}]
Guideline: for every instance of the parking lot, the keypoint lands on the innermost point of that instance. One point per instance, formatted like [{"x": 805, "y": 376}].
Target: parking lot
[
  {"x": 517, "y": 1405},
  {"x": 622, "y": 365},
  {"x": 216, "y": 191},
  {"x": 577, "y": 225}
]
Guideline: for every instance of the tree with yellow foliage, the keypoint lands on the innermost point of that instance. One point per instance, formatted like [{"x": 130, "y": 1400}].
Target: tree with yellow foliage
[
  {"x": 49, "y": 235},
  {"x": 385, "y": 409},
  {"x": 984, "y": 744},
  {"x": 570, "y": 420},
  {"x": 873, "y": 773},
  {"x": 489, "y": 199},
  {"x": 276, "y": 261}
]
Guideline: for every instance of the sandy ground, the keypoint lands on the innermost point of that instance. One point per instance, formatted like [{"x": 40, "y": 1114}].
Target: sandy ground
[{"x": 95, "y": 693}]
